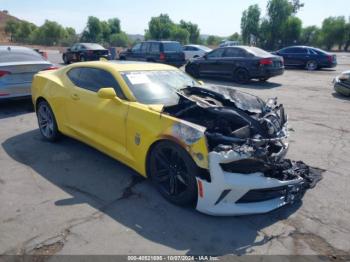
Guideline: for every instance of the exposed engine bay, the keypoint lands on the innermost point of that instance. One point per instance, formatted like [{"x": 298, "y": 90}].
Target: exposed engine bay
[{"x": 240, "y": 122}]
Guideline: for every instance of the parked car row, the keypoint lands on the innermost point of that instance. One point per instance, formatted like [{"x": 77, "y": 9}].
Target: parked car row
[{"x": 18, "y": 65}]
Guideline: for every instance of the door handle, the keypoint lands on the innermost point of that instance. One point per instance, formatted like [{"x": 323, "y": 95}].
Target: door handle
[{"x": 75, "y": 97}]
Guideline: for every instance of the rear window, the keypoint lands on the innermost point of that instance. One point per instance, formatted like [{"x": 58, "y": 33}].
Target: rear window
[
  {"x": 93, "y": 46},
  {"x": 258, "y": 52},
  {"x": 19, "y": 56},
  {"x": 172, "y": 47}
]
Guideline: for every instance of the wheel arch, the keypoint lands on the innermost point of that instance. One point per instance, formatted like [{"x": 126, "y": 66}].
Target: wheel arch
[{"x": 203, "y": 173}]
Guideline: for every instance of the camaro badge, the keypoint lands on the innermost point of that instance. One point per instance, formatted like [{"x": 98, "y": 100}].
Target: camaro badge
[{"x": 137, "y": 139}]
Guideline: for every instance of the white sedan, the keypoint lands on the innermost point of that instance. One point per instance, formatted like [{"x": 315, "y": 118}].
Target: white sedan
[{"x": 194, "y": 51}]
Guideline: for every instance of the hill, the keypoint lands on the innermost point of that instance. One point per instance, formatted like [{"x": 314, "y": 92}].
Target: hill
[{"x": 4, "y": 17}]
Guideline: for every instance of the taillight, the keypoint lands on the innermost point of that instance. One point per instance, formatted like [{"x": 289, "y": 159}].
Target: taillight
[
  {"x": 330, "y": 58},
  {"x": 4, "y": 73},
  {"x": 50, "y": 68},
  {"x": 162, "y": 56},
  {"x": 266, "y": 61},
  {"x": 44, "y": 54},
  {"x": 4, "y": 94}
]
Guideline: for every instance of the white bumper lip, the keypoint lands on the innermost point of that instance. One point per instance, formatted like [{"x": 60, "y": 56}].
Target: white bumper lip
[{"x": 238, "y": 185}]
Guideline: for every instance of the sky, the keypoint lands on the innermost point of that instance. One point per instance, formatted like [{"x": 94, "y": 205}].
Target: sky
[{"x": 219, "y": 17}]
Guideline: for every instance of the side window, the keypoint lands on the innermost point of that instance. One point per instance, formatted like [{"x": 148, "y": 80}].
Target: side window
[
  {"x": 73, "y": 75},
  {"x": 234, "y": 52},
  {"x": 185, "y": 48},
  {"x": 301, "y": 51},
  {"x": 82, "y": 47},
  {"x": 144, "y": 47},
  {"x": 155, "y": 48},
  {"x": 94, "y": 79},
  {"x": 216, "y": 53},
  {"x": 74, "y": 47},
  {"x": 136, "y": 48},
  {"x": 287, "y": 51}
]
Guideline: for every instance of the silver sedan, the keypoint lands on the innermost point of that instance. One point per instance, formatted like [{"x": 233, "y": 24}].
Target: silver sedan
[{"x": 18, "y": 65}]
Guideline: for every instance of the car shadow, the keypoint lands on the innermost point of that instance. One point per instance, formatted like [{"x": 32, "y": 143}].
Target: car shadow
[
  {"x": 252, "y": 84},
  {"x": 91, "y": 177},
  {"x": 340, "y": 96},
  {"x": 295, "y": 68},
  {"x": 10, "y": 108}
]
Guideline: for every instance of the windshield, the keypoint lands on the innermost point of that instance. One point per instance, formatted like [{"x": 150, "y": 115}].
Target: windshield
[{"x": 157, "y": 87}]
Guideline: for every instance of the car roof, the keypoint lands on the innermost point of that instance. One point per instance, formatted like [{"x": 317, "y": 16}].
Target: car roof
[
  {"x": 160, "y": 41},
  {"x": 122, "y": 66},
  {"x": 14, "y": 48},
  {"x": 298, "y": 46}
]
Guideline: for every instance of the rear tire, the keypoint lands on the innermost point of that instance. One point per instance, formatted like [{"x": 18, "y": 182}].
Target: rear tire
[
  {"x": 65, "y": 60},
  {"x": 82, "y": 59},
  {"x": 173, "y": 173},
  {"x": 264, "y": 79},
  {"x": 241, "y": 76},
  {"x": 311, "y": 65},
  {"x": 47, "y": 122}
]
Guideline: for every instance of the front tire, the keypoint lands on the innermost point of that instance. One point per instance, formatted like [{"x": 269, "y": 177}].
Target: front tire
[
  {"x": 47, "y": 122},
  {"x": 65, "y": 60},
  {"x": 263, "y": 79},
  {"x": 173, "y": 172},
  {"x": 311, "y": 65},
  {"x": 241, "y": 76},
  {"x": 82, "y": 58}
]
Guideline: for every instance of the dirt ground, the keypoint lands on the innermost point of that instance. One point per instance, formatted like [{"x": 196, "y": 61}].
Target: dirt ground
[{"x": 68, "y": 198}]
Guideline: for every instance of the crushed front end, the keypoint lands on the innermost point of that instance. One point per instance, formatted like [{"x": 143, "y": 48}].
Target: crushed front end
[{"x": 247, "y": 141}]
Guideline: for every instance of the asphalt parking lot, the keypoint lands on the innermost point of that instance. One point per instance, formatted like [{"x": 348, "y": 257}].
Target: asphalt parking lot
[{"x": 68, "y": 198}]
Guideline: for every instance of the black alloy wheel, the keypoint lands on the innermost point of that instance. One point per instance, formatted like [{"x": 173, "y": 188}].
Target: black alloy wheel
[{"x": 173, "y": 172}]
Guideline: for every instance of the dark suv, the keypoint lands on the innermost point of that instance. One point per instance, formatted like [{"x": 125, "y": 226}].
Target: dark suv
[{"x": 167, "y": 52}]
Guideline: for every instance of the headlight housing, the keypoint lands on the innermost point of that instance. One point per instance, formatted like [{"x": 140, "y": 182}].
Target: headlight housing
[{"x": 344, "y": 77}]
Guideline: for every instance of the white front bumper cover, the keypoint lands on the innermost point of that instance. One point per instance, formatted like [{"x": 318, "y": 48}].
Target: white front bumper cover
[{"x": 213, "y": 200}]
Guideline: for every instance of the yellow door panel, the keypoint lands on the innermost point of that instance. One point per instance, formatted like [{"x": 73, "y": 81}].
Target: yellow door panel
[{"x": 99, "y": 122}]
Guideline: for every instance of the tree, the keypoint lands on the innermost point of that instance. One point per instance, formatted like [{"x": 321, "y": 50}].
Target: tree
[
  {"x": 50, "y": 33},
  {"x": 250, "y": 23},
  {"x": 106, "y": 31},
  {"x": 347, "y": 35},
  {"x": 114, "y": 25},
  {"x": 310, "y": 35},
  {"x": 213, "y": 40},
  {"x": 70, "y": 37},
  {"x": 93, "y": 31},
  {"x": 235, "y": 37},
  {"x": 119, "y": 39},
  {"x": 180, "y": 34},
  {"x": 23, "y": 32},
  {"x": 193, "y": 30},
  {"x": 160, "y": 27},
  {"x": 333, "y": 31},
  {"x": 296, "y": 5},
  {"x": 292, "y": 30},
  {"x": 11, "y": 28}
]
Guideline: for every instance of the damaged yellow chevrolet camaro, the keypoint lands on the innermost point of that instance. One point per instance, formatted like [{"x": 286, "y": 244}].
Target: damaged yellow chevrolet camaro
[{"x": 217, "y": 149}]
